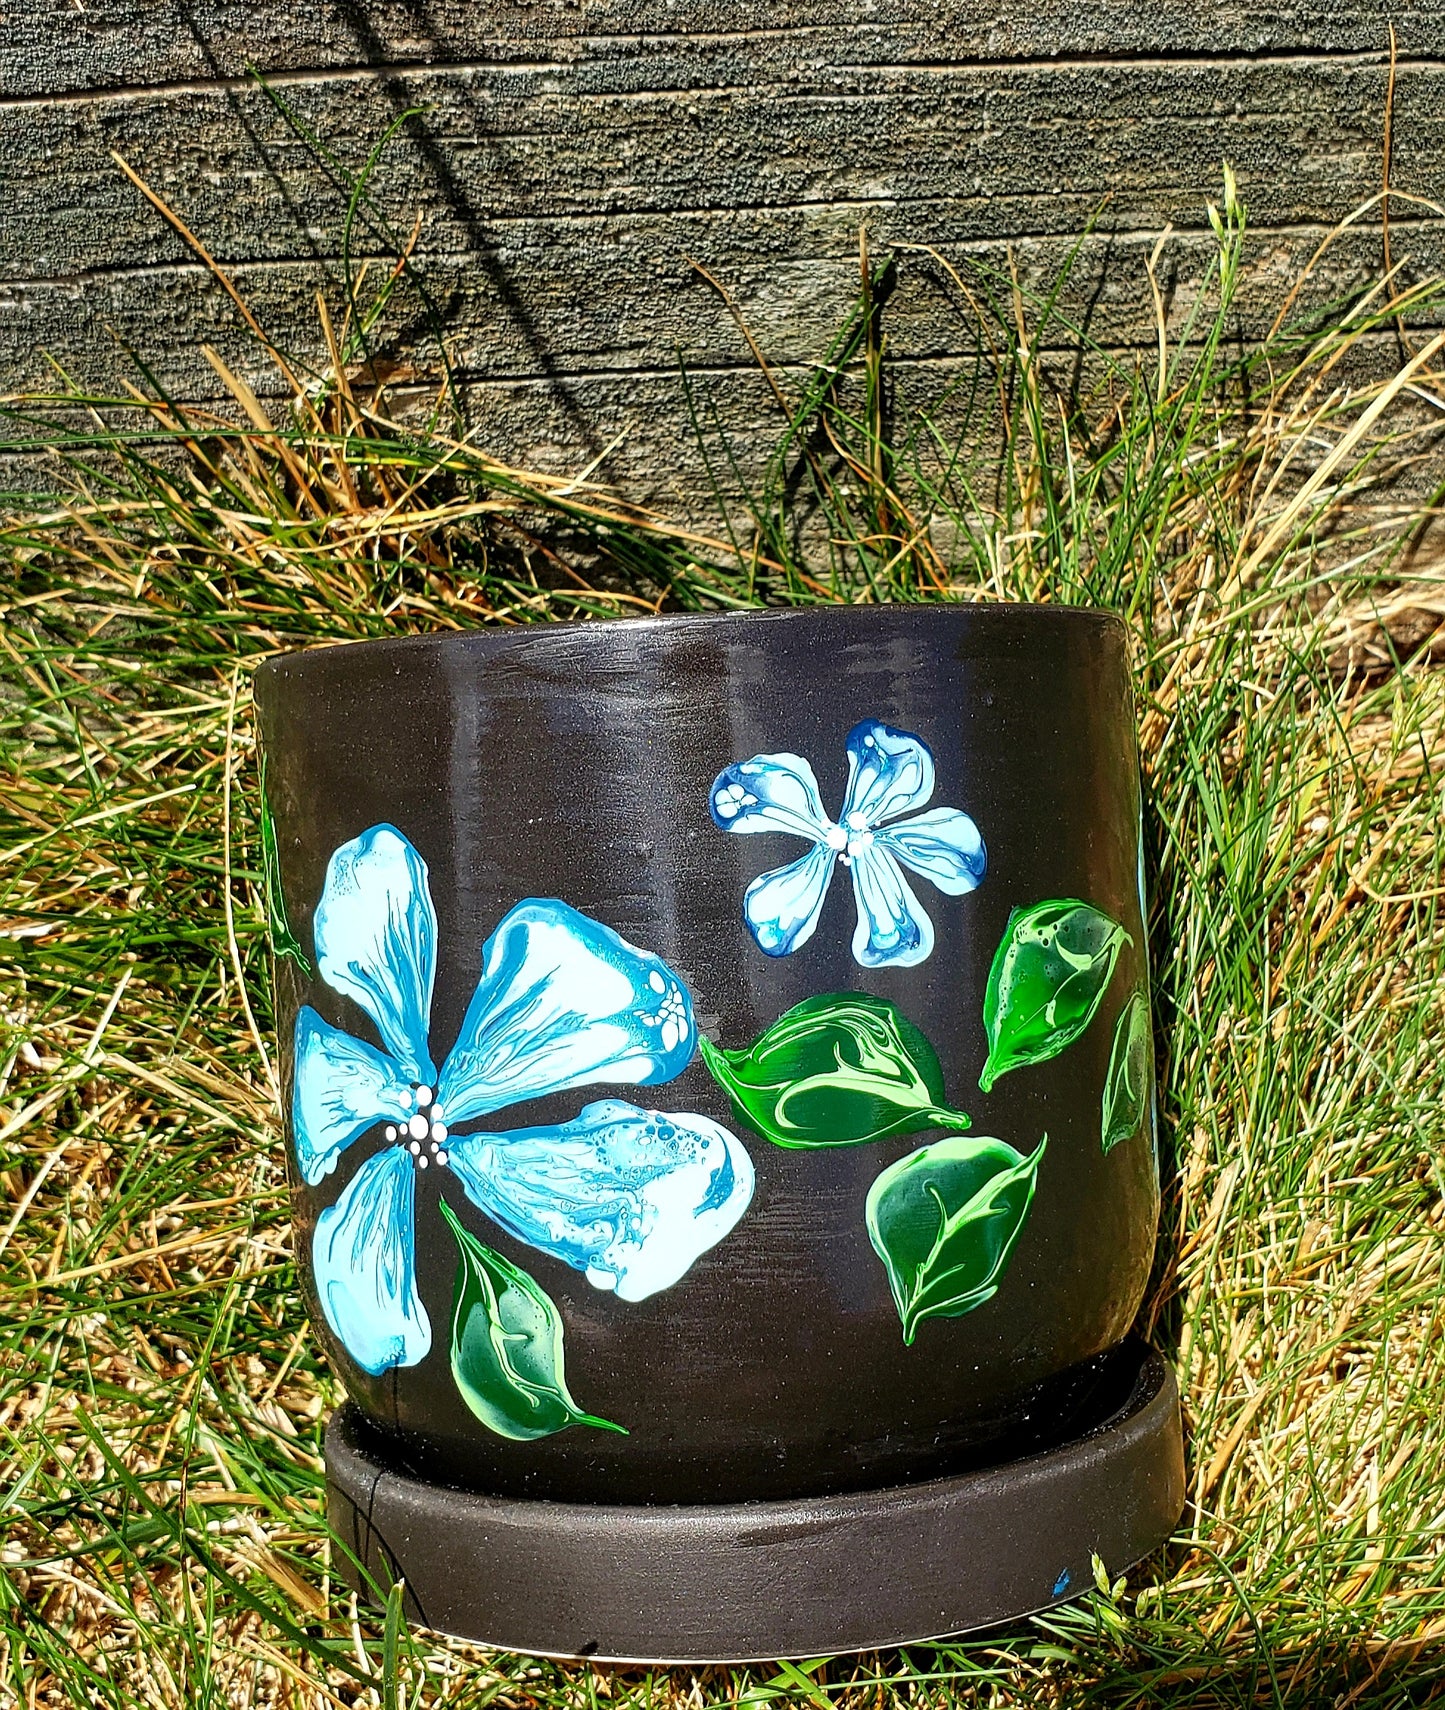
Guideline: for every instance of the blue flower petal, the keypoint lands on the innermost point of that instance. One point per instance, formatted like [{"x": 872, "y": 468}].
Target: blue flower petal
[
  {"x": 943, "y": 845},
  {"x": 889, "y": 772},
  {"x": 770, "y": 792},
  {"x": 629, "y": 1197},
  {"x": 362, "y": 1256},
  {"x": 564, "y": 1002},
  {"x": 340, "y": 1087},
  {"x": 893, "y": 931},
  {"x": 375, "y": 933},
  {"x": 782, "y": 906}
]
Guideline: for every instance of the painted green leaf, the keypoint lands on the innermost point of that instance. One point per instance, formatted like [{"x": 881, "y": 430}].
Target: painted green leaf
[
  {"x": 944, "y": 1221},
  {"x": 836, "y": 1070},
  {"x": 1126, "y": 1086},
  {"x": 283, "y": 940},
  {"x": 507, "y": 1346},
  {"x": 1048, "y": 977}
]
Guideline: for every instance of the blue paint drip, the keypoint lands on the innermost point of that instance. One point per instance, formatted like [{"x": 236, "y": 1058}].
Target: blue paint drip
[{"x": 1061, "y": 1584}]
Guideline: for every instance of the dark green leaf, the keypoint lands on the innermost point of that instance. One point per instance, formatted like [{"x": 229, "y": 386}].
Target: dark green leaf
[
  {"x": 835, "y": 1071},
  {"x": 944, "y": 1221},
  {"x": 507, "y": 1346},
  {"x": 1048, "y": 977},
  {"x": 1126, "y": 1087},
  {"x": 283, "y": 940}
]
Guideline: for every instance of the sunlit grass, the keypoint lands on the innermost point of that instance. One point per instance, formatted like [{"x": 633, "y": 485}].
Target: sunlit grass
[{"x": 161, "y": 1401}]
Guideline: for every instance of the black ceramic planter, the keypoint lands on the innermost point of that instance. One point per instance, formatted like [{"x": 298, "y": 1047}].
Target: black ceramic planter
[{"x": 717, "y": 1054}]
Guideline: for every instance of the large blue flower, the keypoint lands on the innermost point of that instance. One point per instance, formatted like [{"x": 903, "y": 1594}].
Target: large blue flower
[
  {"x": 889, "y": 773},
  {"x": 629, "y": 1197}
]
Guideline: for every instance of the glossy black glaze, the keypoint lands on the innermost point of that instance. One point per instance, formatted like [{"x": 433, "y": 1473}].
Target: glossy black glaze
[{"x": 575, "y": 761}]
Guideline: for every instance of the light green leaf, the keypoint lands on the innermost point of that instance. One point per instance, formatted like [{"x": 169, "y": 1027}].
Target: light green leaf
[
  {"x": 1126, "y": 1086},
  {"x": 944, "y": 1221},
  {"x": 507, "y": 1346},
  {"x": 283, "y": 940},
  {"x": 1048, "y": 977},
  {"x": 836, "y": 1070}
]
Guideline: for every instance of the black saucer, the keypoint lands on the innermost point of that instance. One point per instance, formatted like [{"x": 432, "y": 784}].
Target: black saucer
[{"x": 741, "y": 1582}]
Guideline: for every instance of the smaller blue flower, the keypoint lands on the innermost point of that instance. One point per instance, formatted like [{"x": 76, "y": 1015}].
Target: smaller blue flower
[{"x": 890, "y": 773}]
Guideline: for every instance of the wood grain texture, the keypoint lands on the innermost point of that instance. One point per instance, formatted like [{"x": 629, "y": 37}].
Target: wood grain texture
[
  {"x": 58, "y": 46},
  {"x": 568, "y": 163}
]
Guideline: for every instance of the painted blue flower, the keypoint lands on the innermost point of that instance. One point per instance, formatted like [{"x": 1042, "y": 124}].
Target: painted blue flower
[
  {"x": 627, "y": 1196},
  {"x": 889, "y": 773}
]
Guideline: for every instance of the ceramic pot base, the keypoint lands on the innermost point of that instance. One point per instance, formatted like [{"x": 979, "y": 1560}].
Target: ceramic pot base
[{"x": 743, "y": 1582}]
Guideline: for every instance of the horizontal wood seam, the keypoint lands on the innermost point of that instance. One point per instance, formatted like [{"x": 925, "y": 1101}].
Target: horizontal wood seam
[
  {"x": 1224, "y": 60},
  {"x": 478, "y": 380},
  {"x": 1134, "y": 237}
]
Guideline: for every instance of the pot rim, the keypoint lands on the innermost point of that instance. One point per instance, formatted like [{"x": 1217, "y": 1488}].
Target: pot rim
[{"x": 487, "y": 637}]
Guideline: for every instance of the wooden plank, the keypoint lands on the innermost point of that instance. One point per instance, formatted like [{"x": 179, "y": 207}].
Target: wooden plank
[
  {"x": 638, "y": 431},
  {"x": 628, "y": 303},
  {"x": 493, "y": 157},
  {"x": 57, "y": 47}
]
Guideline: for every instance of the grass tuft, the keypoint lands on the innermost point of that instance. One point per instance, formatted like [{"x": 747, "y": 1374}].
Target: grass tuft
[{"x": 1264, "y": 521}]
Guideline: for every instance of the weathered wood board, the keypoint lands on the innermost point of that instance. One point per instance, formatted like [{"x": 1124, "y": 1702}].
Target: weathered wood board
[{"x": 568, "y": 163}]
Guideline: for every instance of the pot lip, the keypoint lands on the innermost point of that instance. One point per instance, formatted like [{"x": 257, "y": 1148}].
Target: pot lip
[{"x": 664, "y": 625}]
